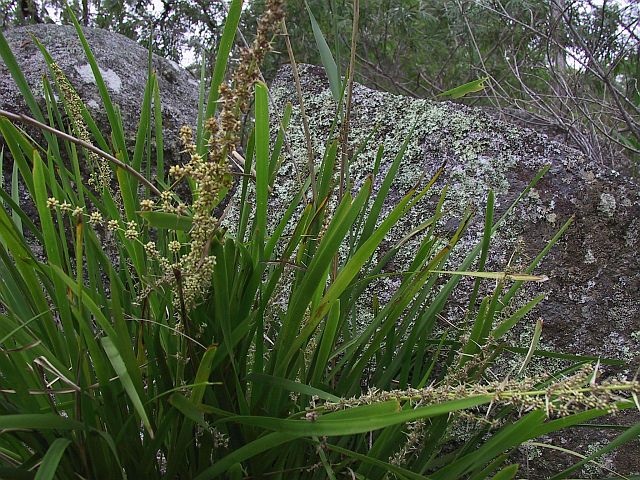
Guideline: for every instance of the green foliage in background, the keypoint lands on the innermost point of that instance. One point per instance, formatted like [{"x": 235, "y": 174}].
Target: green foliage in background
[
  {"x": 570, "y": 64},
  {"x": 115, "y": 363},
  {"x": 171, "y": 28}
]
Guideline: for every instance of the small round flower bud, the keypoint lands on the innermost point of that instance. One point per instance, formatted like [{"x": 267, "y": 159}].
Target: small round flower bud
[
  {"x": 95, "y": 218},
  {"x": 151, "y": 249},
  {"x": 130, "y": 233},
  {"x": 146, "y": 204}
]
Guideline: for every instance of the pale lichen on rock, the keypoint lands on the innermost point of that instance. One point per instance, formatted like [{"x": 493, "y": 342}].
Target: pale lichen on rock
[
  {"x": 607, "y": 204},
  {"x": 592, "y": 300},
  {"x": 483, "y": 153}
]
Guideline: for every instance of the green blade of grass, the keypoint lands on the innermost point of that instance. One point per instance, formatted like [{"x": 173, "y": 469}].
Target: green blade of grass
[
  {"x": 144, "y": 122},
  {"x": 276, "y": 160},
  {"x": 29, "y": 299},
  {"x": 567, "y": 356},
  {"x": 21, "y": 81},
  {"x": 245, "y": 452},
  {"x": 326, "y": 344},
  {"x": 365, "y": 459},
  {"x": 537, "y": 331},
  {"x": 507, "y": 473},
  {"x": 506, "y": 325},
  {"x": 15, "y": 196},
  {"x": 123, "y": 374},
  {"x": 222, "y": 60},
  {"x": 188, "y": 409},
  {"x": 327, "y": 58},
  {"x": 202, "y": 375},
  {"x": 52, "y": 248},
  {"x": 291, "y": 386},
  {"x": 38, "y": 421},
  {"x": 467, "y": 88},
  {"x": 499, "y": 442},
  {"x": 169, "y": 221},
  {"x": 486, "y": 240},
  {"x": 496, "y": 463},
  {"x": 284, "y": 221},
  {"x": 628, "y": 436},
  {"x": 262, "y": 166},
  {"x": 201, "y": 93},
  {"x": 246, "y": 207},
  {"x": 20, "y": 149},
  {"x": 500, "y": 276},
  {"x": 476, "y": 340},
  {"x": 317, "y": 269},
  {"x": 327, "y": 170},
  {"x": 383, "y": 191},
  {"x": 16, "y": 211},
  {"x": 359, "y": 419},
  {"x": 331, "y": 475},
  {"x": 543, "y": 253},
  {"x": 50, "y": 461},
  {"x": 159, "y": 135}
]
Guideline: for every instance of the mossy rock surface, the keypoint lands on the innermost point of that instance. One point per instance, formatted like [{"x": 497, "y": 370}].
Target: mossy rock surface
[
  {"x": 592, "y": 304},
  {"x": 593, "y": 295}
]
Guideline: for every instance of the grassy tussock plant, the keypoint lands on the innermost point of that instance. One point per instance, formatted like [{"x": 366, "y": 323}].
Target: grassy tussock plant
[{"x": 142, "y": 340}]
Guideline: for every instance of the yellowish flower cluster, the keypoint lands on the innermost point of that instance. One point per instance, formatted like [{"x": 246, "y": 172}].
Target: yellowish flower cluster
[
  {"x": 565, "y": 396},
  {"x": 189, "y": 274},
  {"x": 147, "y": 204},
  {"x": 211, "y": 174},
  {"x": 101, "y": 175},
  {"x": 95, "y": 218}
]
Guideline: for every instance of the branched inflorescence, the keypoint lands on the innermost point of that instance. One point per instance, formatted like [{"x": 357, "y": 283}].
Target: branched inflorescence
[
  {"x": 101, "y": 175},
  {"x": 565, "y": 396},
  {"x": 557, "y": 398},
  {"x": 189, "y": 274},
  {"x": 211, "y": 173}
]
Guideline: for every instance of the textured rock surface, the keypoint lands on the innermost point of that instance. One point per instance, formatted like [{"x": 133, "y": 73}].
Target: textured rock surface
[
  {"x": 123, "y": 64},
  {"x": 593, "y": 299},
  {"x": 592, "y": 304}
]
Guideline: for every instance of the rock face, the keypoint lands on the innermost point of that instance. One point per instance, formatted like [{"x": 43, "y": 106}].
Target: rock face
[
  {"x": 593, "y": 295},
  {"x": 593, "y": 304},
  {"x": 123, "y": 64}
]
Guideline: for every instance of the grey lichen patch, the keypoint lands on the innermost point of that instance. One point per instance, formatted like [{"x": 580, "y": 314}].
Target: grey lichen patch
[
  {"x": 592, "y": 269},
  {"x": 632, "y": 235},
  {"x": 589, "y": 257},
  {"x": 111, "y": 78},
  {"x": 601, "y": 465},
  {"x": 440, "y": 132},
  {"x": 607, "y": 204}
]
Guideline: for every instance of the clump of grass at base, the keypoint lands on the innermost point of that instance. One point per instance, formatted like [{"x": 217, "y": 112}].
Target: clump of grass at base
[{"x": 162, "y": 357}]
